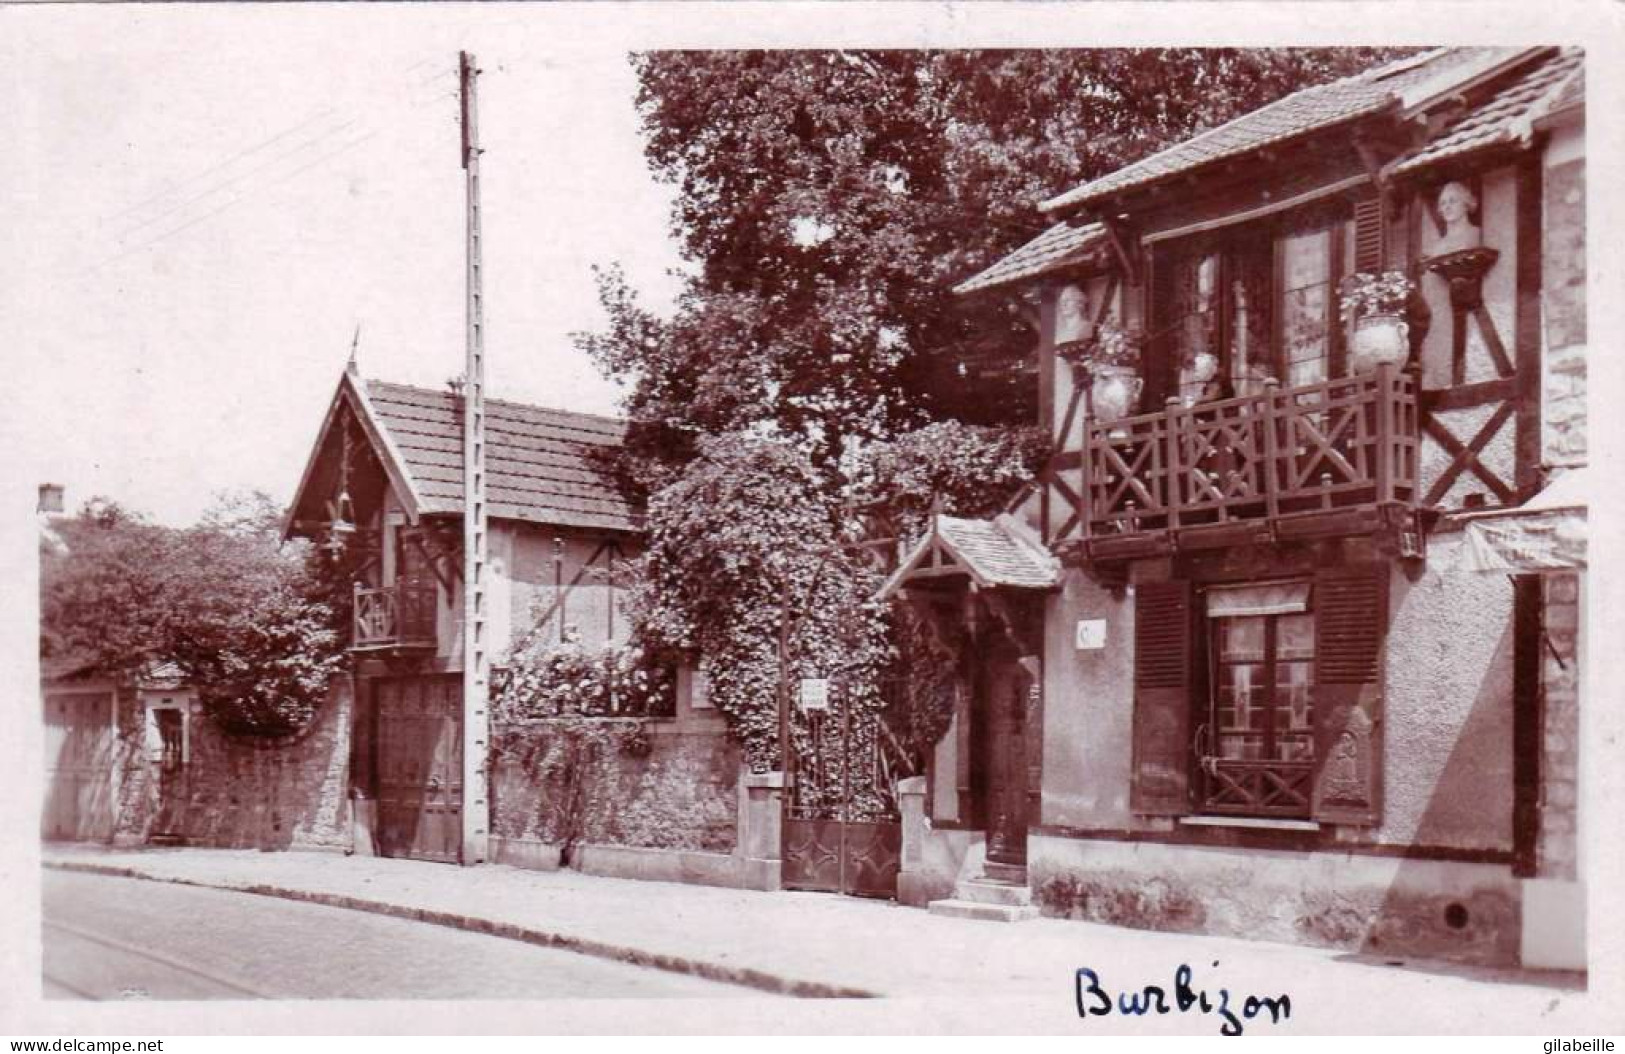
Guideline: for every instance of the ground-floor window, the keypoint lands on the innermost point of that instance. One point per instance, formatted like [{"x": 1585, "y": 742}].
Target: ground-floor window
[{"x": 1261, "y": 714}]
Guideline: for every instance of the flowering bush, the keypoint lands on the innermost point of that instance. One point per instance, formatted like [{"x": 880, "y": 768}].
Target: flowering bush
[
  {"x": 1111, "y": 345},
  {"x": 560, "y": 679},
  {"x": 1374, "y": 294}
]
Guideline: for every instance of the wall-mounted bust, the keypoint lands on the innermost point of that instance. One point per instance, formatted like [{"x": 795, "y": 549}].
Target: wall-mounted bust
[
  {"x": 1457, "y": 206},
  {"x": 1071, "y": 315}
]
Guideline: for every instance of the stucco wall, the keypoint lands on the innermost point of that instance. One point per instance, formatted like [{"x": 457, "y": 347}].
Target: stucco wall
[
  {"x": 1563, "y": 276},
  {"x": 242, "y": 792},
  {"x": 1088, "y": 709},
  {"x": 1557, "y": 851},
  {"x": 1385, "y": 906},
  {"x": 1497, "y": 217},
  {"x": 591, "y": 605},
  {"x": 1448, "y": 707}
]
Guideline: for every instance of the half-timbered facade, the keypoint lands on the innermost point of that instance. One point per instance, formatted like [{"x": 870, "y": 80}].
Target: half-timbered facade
[
  {"x": 384, "y": 484},
  {"x": 1273, "y": 694}
]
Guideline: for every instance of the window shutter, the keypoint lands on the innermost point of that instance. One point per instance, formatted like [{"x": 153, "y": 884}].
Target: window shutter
[
  {"x": 1351, "y": 621},
  {"x": 1370, "y": 233},
  {"x": 1163, "y": 685}
]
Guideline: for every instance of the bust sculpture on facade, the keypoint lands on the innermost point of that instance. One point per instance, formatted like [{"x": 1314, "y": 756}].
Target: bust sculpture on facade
[
  {"x": 1071, "y": 316},
  {"x": 1457, "y": 204}
]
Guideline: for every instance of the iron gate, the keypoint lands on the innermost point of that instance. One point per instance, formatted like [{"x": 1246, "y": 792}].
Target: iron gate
[{"x": 842, "y": 832}]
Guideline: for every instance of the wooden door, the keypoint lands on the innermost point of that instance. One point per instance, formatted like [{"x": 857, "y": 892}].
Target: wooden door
[
  {"x": 420, "y": 766},
  {"x": 78, "y": 766},
  {"x": 1006, "y": 753}
]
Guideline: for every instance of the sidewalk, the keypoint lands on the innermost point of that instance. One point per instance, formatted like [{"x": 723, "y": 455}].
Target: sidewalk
[{"x": 818, "y": 944}]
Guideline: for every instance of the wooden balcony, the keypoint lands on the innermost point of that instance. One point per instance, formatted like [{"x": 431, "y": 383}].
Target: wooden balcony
[
  {"x": 1319, "y": 459},
  {"x": 397, "y": 618}
]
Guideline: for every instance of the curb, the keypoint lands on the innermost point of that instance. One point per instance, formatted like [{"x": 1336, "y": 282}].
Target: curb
[{"x": 743, "y": 976}]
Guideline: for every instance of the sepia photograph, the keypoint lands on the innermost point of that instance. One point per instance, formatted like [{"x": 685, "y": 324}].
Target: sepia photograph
[{"x": 875, "y": 518}]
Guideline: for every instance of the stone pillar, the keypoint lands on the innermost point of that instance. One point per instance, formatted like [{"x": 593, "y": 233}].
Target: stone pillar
[
  {"x": 1554, "y": 900},
  {"x": 911, "y": 807},
  {"x": 760, "y": 834}
]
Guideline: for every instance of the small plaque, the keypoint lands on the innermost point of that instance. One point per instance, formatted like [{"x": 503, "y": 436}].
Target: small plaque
[
  {"x": 1091, "y": 634},
  {"x": 814, "y": 693}
]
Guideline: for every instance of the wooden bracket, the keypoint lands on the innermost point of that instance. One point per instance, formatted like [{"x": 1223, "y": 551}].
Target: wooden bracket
[{"x": 1122, "y": 247}]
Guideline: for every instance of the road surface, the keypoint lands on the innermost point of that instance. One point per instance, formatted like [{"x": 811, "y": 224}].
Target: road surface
[{"x": 122, "y": 938}]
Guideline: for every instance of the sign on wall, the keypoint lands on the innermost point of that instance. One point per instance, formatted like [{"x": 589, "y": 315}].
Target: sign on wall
[{"x": 1091, "y": 634}]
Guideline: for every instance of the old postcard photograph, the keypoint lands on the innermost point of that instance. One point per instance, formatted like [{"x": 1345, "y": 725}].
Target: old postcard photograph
[{"x": 1067, "y": 518}]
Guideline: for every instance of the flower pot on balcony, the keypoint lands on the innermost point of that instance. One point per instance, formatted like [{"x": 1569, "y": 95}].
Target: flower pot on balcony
[
  {"x": 1379, "y": 339},
  {"x": 1113, "y": 392}
]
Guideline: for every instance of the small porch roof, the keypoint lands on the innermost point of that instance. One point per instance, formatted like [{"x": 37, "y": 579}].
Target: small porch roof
[{"x": 997, "y": 553}]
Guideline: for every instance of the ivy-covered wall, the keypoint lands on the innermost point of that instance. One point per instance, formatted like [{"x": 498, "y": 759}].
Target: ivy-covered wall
[{"x": 639, "y": 785}]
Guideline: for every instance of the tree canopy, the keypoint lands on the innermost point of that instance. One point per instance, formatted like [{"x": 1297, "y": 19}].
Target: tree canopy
[
  {"x": 254, "y": 626},
  {"x": 828, "y": 201}
]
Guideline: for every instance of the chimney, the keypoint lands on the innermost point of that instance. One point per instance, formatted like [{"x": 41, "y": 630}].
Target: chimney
[{"x": 50, "y": 498}]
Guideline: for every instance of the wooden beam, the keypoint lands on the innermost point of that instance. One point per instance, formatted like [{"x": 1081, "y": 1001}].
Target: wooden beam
[
  {"x": 1527, "y": 323},
  {"x": 1232, "y": 219}
]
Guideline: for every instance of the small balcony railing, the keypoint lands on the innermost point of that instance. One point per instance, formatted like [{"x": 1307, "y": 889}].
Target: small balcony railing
[
  {"x": 1320, "y": 447},
  {"x": 399, "y": 616}
]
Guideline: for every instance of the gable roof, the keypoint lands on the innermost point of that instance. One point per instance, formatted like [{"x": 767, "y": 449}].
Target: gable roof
[
  {"x": 1060, "y": 246},
  {"x": 1509, "y": 115},
  {"x": 541, "y": 464},
  {"x": 538, "y": 461},
  {"x": 994, "y": 553},
  {"x": 1403, "y": 83}
]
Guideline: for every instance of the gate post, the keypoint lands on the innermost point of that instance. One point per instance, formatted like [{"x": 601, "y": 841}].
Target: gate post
[{"x": 760, "y": 829}]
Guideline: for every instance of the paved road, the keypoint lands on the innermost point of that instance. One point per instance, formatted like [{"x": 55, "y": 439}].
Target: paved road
[{"x": 113, "y": 938}]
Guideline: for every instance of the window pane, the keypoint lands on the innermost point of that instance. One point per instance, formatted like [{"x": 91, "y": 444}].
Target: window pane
[
  {"x": 1249, "y": 293},
  {"x": 1242, "y": 639},
  {"x": 1304, "y": 300},
  {"x": 1295, "y": 636}
]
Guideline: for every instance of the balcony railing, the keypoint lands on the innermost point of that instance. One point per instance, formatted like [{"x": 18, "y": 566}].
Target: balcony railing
[
  {"x": 399, "y": 616},
  {"x": 1320, "y": 447}
]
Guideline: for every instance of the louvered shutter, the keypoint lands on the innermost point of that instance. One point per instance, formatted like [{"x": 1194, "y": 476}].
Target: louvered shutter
[
  {"x": 1351, "y": 621},
  {"x": 1370, "y": 249},
  {"x": 1163, "y": 686}
]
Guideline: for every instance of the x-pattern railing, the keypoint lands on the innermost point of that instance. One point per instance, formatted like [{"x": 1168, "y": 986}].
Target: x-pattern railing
[
  {"x": 1314, "y": 447},
  {"x": 1259, "y": 786}
]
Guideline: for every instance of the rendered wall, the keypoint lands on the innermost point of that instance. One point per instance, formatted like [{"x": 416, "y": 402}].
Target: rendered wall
[{"x": 1387, "y": 906}]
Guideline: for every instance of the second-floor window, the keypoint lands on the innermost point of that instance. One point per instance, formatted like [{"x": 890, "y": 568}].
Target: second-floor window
[{"x": 1236, "y": 308}]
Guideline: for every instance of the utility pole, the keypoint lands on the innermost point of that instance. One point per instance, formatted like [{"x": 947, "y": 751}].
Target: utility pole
[{"x": 476, "y": 662}]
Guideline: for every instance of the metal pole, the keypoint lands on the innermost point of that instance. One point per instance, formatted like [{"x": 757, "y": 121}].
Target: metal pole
[{"x": 476, "y": 661}]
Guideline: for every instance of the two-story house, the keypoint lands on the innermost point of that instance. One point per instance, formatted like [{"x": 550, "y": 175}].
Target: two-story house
[
  {"x": 1307, "y": 666},
  {"x": 384, "y": 482}
]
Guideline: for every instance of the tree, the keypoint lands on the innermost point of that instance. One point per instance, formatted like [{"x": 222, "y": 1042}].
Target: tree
[
  {"x": 828, "y": 201},
  {"x": 745, "y": 549},
  {"x": 252, "y": 624}
]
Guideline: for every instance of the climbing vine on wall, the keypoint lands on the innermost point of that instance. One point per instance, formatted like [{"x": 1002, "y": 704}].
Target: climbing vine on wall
[{"x": 750, "y": 544}]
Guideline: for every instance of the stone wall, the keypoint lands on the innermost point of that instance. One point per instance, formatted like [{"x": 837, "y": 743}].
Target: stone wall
[
  {"x": 1560, "y": 735},
  {"x": 240, "y": 792},
  {"x": 662, "y": 789}
]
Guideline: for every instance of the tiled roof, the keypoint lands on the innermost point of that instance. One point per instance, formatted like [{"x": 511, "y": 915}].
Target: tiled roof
[
  {"x": 1293, "y": 115},
  {"x": 1506, "y": 116},
  {"x": 1057, "y": 247},
  {"x": 538, "y": 465},
  {"x": 1000, "y": 552}
]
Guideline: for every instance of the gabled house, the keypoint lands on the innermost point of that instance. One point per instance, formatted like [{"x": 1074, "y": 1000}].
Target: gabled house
[
  {"x": 384, "y": 484},
  {"x": 1273, "y": 692}
]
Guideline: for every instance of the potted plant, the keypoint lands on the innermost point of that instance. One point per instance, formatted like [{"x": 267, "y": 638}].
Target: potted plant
[
  {"x": 1376, "y": 304},
  {"x": 1111, "y": 357}
]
